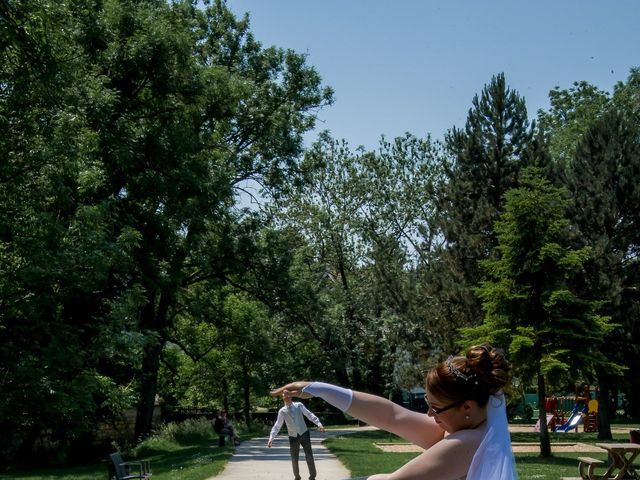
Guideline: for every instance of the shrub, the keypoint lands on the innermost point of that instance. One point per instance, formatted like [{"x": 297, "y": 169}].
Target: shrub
[{"x": 191, "y": 431}]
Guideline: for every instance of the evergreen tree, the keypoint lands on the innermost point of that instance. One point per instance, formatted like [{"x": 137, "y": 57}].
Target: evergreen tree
[
  {"x": 486, "y": 158},
  {"x": 531, "y": 300},
  {"x": 592, "y": 141},
  {"x": 602, "y": 179}
]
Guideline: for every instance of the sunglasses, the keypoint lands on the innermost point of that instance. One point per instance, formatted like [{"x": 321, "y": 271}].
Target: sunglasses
[{"x": 438, "y": 411}]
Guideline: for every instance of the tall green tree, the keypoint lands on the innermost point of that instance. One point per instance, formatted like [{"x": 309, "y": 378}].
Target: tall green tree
[
  {"x": 572, "y": 112},
  {"x": 593, "y": 143},
  {"x": 132, "y": 124},
  {"x": 486, "y": 157},
  {"x": 532, "y": 302},
  {"x": 398, "y": 221},
  {"x": 62, "y": 307},
  {"x": 366, "y": 217},
  {"x": 201, "y": 107},
  {"x": 607, "y": 211},
  {"x": 322, "y": 210},
  {"x": 626, "y": 98}
]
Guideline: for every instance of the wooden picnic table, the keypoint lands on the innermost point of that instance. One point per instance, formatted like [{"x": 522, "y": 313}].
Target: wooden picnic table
[{"x": 621, "y": 467}]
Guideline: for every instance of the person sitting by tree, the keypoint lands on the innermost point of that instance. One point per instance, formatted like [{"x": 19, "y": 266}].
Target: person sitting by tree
[{"x": 222, "y": 426}]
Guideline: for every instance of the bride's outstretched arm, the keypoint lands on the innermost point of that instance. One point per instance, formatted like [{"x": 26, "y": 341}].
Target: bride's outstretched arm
[{"x": 415, "y": 427}]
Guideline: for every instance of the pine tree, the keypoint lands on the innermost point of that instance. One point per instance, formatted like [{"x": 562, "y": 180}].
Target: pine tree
[
  {"x": 486, "y": 158},
  {"x": 532, "y": 304},
  {"x": 602, "y": 178}
]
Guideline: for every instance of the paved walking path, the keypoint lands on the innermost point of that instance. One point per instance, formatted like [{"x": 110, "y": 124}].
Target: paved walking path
[{"x": 253, "y": 459}]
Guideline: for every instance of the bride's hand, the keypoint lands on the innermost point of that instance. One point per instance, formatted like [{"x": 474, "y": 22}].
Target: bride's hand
[{"x": 293, "y": 389}]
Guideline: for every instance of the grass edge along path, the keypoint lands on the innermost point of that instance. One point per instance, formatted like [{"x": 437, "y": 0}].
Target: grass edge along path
[
  {"x": 186, "y": 451},
  {"x": 181, "y": 462},
  {"x": 359, "y": 454}
]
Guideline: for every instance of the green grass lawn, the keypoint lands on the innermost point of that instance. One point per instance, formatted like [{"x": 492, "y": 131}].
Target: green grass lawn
[
  {"x": 362, "y": 458},
  {"x": 188, "y": 451},
  {"x": 176, "y": 462}
]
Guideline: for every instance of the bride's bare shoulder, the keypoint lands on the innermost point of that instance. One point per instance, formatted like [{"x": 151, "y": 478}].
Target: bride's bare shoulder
[{"x": 468, "y": 436}]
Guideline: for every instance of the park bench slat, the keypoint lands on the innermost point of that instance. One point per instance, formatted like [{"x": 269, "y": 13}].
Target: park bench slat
[{"x": 590, "y": 461}]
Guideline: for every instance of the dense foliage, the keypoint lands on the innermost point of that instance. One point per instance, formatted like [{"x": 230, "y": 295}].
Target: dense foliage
[
  {"x": 128, "y": 127},
  {"x": 532, "y": 300},
  {"x": 165, "y": 238}
]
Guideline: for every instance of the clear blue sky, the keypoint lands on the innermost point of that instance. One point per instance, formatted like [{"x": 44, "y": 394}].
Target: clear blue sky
[{"x": 412, "y": 65}]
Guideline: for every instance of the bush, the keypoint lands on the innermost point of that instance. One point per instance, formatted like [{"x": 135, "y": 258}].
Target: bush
[{"x": 191, "y": 431}]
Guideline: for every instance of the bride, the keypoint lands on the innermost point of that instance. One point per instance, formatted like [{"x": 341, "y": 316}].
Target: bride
[{"x": 465, "y": 431}]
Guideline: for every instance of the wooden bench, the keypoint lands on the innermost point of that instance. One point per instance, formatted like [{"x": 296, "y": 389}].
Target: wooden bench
[{"x": 587, "y": 465}]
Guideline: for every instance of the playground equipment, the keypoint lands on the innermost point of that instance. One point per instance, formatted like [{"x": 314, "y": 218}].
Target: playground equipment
[
  {"x": 550, "y": 423},
  {"x": 555, "y": 416},
  {"x": 577, "y": 415},
  {"x": 580, "y": 409},
  {"x": 591, "y": 419}
]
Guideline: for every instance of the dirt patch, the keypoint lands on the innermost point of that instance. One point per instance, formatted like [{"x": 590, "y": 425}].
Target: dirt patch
[
  {"x": 530, "y": 428},
  {"x": 557, "y": 447},
  {"x": 398, "y": 447},
  {"x": 517, "y": 447}
]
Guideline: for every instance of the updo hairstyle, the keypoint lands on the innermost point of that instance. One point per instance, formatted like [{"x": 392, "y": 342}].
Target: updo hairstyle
[{"x": 482, "y": 372}]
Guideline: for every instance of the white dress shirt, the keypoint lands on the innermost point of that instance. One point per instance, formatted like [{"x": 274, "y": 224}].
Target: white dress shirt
[{"x": 292, "y": 415}]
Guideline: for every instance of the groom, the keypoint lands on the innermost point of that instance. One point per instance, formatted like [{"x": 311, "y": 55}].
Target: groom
[{"x": 292, "y": 414}]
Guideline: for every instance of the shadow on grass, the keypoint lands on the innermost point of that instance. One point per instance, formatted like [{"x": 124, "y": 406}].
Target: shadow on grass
[
  {"x": 84, "y": 472},
  {"x": 534, "y": 459},
  {"x": 164, "y": 464},
  {"x": 372, "y": 434}
]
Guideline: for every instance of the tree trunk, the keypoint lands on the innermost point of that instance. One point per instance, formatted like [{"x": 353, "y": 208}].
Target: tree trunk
[
  {"x": 340, "y": 369},
  {"x": 152, "y": 322},
  {"x": 148, "y": 387},
  {"x": 604, "y": 407},
  {"x": 246, "y": 385},
  {"x": 355, "y": 379},
  {"x": 545, "y": 445},
  {"x": 225, "y": 395}
]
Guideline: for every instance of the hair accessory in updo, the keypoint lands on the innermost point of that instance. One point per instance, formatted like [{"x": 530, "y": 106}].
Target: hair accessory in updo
[{"x": 454, "y": 370}]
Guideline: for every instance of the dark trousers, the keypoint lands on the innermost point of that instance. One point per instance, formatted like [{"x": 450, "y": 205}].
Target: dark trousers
[{"x": 294, "y": 446}]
